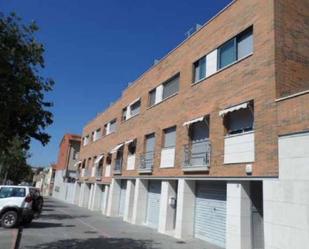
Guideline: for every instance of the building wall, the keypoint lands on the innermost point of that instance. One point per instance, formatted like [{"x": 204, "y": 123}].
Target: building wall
[
  {"x": 292, "y": 50},
  {"x": 65, "y": 150},
  {"x": 293, "y": 114},
  {"x": 250, "y": 79},
  {"x": 73, "y": 155},
  {"x": 286, "y": 200}
]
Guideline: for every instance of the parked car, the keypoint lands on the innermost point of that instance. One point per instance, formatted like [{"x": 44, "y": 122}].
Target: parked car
[{"x": 19, "y": 204}]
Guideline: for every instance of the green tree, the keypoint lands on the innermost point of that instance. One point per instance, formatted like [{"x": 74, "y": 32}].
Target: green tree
[
  {"x": 14, "y": 163},
  {"x": 24, "y": 111}
]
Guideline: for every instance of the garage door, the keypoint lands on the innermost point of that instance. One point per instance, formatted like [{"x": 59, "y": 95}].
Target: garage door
[
  {"x": 122, "y": 199},
  {"x": 153, "y": 203},
  {"x": 210, "y": 212},
  {"x": 102, "y": 197}
]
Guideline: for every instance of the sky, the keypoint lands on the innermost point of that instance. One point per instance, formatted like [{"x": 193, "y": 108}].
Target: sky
[{"x": 94, "y": 48}]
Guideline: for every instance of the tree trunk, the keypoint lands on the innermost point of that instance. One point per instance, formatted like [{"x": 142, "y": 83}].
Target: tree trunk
[{"x": 5, "y": 177}]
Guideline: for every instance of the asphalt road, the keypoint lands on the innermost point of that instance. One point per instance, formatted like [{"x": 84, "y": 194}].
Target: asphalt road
[{"x": 64, "y": 225}]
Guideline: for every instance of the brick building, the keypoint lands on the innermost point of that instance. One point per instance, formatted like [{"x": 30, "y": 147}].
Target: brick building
[
  {"x": 66, "y": 166},
  {"x": 212, "y": 141}
]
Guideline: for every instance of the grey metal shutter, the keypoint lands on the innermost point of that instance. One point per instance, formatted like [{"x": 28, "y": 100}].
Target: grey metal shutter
[
  {"x": 171, "y": 87},
  {"x": 102, "y": 197},
  {"x": 150, "y": 147},
  {"x": 152, "y": 97},
  {"x": 210, "y": 212},
  {"x": 150, "y": 142},
  {"x": 122, "y": 198},
  {"x": 170, "y": 137},
  {"x": 135, "y": 108},
  {"x": 153, "y": 203}
]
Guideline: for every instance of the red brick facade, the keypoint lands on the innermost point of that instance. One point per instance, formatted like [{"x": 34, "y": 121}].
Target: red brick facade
[
  {"x": 262, "y": 77},
  {"x": 64, "y": 148}
]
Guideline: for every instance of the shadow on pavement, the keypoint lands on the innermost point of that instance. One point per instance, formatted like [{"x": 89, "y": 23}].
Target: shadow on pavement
[
  {"x": 40, "y": 225},
  {"x": 97, "y": 243},
  {"x": 61, "y": 216}
]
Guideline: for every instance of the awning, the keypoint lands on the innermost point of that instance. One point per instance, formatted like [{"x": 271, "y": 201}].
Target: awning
[
  {"x": 193, "y": 121},
  {"x": 129, "y": 141},
  {"x": 76, "y": 164},
  {"x": 116, "y": 148},
  {"x": 97, "y": 160},
  {"x": 234, "y": 108}
]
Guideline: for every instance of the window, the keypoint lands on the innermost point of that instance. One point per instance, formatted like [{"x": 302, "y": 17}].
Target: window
[
  {"x": 227, "y": 54},
  {"x": 97, "y": 134},
  {"x": 169, "y": 137},
  {"x": 171, "y": 87},
  {"x": 124, "y": 114},
  {"x": 92, "y": 137},
  {"x": 163, "y": 91},
  {"x": 244, "y": 43},
  {"x": 89, "y": 162},
  {"x": 150, "y": 143},
  {"x": 135, "y": 108},
  {"x": 199, "y": 131},
  {"x": 199, "y": 69},
  {"x": 152, "y": 97},
  {"x": 109, "y": 159},
  {"x": 239, "y": 121},
  {"x": 132, "y": 147},
  {"x": 84, "y": 164},
  {"x": 197, "y": 152},
  {"x": 75, "y": 154},
  {"x": 86, "y": 140},
  {"x": 236, "y": 48},
  {"x": 131, "y": 110},
  {"x": 112, "y": 127},
  {"x": 6, "y": 192},
  {"x": 105, "y": 130}
]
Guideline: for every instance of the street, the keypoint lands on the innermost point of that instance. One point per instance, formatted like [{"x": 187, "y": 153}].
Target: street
[{"x": 63, "y": 225}]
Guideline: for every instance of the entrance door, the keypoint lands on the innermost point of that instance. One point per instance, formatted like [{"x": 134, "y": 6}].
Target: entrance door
[
  {"x": 122, "y": 199},
  {"x": 256, "y": 193},
  {"x": 210, "y": 212},
  {"x": 153, "y": 203}
]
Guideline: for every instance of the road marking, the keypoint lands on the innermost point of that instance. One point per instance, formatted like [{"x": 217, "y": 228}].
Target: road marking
[{"x": 103, "y": 234}]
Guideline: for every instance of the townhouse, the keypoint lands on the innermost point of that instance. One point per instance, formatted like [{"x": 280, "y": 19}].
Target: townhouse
[{"x": 212, "y": 141}]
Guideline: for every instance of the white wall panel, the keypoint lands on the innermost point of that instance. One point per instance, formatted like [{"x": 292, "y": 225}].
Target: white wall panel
[
  {"x": 286, "y": 200},
  {"x": 167, "y": 158},
  {"x": 211, "y": 63},
  {"x": 239, "y": 148},
  {"x": 131, "y": 162}
]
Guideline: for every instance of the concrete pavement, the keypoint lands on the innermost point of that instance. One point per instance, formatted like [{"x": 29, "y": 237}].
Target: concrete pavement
[{"x": 68, "y": 226}]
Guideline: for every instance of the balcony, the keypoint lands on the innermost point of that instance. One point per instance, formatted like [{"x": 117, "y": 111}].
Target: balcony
[
  {"x": 99, "y": 173},
  {"x": 146, "y": 162},
  {"x": 118, "y": 166},
  {"x": 197, "y": 156}
]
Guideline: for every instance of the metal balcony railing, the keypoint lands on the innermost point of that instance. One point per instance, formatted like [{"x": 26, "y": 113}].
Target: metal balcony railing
[
  {"x": 118, "y": 166},
  {"x": 99, "y": 172},
  {"x": 197, "y": 156},
  {"x": 78, "y": 174},
  {"x": 87, "y": 172},
  {"x": 146, "y": 162}
]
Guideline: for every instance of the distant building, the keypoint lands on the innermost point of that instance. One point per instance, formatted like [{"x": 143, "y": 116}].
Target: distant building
[{"x": 66, "y": 166}]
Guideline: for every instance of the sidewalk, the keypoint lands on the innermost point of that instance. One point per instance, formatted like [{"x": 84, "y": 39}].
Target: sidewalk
[{"x": 64, "y": 225}]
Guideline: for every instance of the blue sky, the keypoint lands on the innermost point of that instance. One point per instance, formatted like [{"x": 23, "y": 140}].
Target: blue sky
[{"x": 95, "y": 47}]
